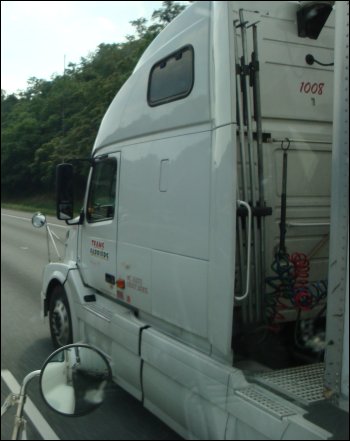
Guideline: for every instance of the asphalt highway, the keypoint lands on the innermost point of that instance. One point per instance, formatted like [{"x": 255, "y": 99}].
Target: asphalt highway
[{"x": 26, "y": 343}]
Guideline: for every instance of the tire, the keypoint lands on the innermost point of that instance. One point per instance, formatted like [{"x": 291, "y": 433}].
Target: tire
[{"x": 60, "y": 318}]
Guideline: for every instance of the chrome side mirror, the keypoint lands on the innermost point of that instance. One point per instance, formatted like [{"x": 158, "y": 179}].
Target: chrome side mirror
[
  {"x": 74, "y": 378},
  {"x": 38, "y": 220},
  {"x": 73, "y": 382}
]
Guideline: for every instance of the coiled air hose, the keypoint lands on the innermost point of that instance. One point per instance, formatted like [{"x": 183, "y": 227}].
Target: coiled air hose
[{"x": 291, "y": 273}]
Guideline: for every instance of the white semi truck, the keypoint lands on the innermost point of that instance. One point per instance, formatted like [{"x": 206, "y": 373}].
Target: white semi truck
[{"x": 210, "y": 258}]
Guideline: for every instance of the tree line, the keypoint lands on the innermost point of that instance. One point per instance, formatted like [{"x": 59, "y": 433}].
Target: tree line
[{"x": 57, "y": 119}]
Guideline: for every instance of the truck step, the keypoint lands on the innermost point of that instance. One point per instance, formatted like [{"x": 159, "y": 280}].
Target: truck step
[
  {"x": 99, "y": 311},
  {"x": 262, "y": 399}
]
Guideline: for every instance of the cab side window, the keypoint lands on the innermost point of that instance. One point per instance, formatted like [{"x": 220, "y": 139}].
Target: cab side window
[{"x": 101, "y": 201}]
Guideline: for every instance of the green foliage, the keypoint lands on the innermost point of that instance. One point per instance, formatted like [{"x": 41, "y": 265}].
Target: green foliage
[
  {"x": 58, "y": 119},
  {"x": 167, "y": 13}
]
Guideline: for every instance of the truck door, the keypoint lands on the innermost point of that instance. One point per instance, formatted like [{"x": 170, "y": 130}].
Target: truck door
[{"x": 98, "y": 234}]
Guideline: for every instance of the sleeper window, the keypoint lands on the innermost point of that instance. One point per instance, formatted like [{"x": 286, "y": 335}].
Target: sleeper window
[{"x": 172, "y": 78}]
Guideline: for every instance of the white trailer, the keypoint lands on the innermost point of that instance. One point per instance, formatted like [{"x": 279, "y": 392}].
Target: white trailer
[{"x": 200, "y": 263}]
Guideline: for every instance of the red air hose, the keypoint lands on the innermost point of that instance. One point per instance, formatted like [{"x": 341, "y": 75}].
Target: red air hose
[{"x": 303, "y": 298}]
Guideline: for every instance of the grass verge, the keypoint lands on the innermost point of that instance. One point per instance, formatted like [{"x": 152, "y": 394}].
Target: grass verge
[{"x": 44, "y": 204}]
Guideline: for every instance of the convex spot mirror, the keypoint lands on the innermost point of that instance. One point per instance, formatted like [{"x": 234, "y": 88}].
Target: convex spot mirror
[
  {"x": 74, "y": 378},
  {"x": 38, "y": 220}
]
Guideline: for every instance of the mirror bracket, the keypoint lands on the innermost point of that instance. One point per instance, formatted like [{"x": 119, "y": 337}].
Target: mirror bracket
[
  {"x": 19, "y": 400},
  {"x": 79, "y": 220}
]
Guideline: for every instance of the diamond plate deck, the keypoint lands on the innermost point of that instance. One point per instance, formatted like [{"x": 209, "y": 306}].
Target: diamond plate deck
[{"x": 303, "y": 383}]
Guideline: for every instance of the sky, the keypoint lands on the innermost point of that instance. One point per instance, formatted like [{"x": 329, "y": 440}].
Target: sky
[{"x": 39, "y": 37}]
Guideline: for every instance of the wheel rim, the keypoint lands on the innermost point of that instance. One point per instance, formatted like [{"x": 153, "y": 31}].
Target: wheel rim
[{"x": 60, "y": 323}]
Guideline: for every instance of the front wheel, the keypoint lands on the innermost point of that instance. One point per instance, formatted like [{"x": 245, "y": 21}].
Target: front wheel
[{"x": 60, "y": 319}]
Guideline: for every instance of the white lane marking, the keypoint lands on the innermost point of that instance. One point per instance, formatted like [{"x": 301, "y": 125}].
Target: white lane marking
[
  {"x": 30, "y": 409},
  {"x": 15, "y": 217},
  {"x": 27, "y": 219}
]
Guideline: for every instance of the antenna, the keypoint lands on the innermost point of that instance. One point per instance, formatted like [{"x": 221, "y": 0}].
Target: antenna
[{"x": 64, "y": 74}]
